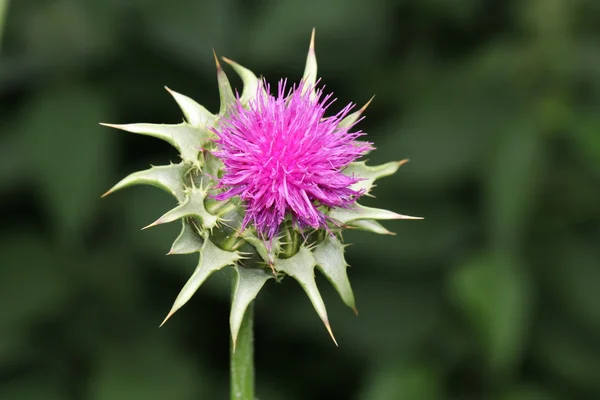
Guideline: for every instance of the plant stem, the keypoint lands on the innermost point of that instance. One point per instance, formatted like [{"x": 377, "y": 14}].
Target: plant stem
[
  {"x": 242, "y": 360},
  {"x": 3, "y": 10}
]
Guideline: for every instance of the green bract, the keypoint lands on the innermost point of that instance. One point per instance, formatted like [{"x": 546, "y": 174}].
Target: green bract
[{"x": 212, "y": 228}]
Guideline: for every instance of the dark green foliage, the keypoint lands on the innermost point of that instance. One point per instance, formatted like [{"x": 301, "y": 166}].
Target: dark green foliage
[{"x": 495, "y": 295}]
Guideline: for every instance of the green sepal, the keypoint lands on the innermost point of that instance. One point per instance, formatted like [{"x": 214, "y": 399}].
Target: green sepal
[
  {"x": 351, "y": 119},
  {"x": 260, "y": 246},
  {"x": 369, "y": 174},
  {"x": 329, "y": 255},
  {"x": 310, "y": 69},
  {"x": 225, "y": 91},
  {"x": 192, "y": 206},
  {"x": 187, "y": 139},
  {"x": 166, "y": 177},
  {"x": 358, "y": 212},
  {"x": 195, "y": 114},
  {"x": 370, "y": 225},
  {"x": 248, "y": 283},
  {"x": 301, "y": 267},
  {"x": 188, "y": 241},
  {"x": 249, "y": 80},
  {"x": 212, "y": 259}
]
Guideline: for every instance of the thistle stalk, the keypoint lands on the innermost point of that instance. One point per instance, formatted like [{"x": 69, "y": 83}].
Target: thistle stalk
[
  {"x": 3, "y": 11},
  {"x": 242, "y": 360}
]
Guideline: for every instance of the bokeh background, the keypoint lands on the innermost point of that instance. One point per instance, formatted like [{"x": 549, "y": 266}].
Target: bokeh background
[{"x": 495, "y": 295}]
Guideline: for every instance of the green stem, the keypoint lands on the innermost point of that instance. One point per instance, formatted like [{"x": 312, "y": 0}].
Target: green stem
[
  {"x": 242, "y": 360},
  {"x": 3, "y": 10}
]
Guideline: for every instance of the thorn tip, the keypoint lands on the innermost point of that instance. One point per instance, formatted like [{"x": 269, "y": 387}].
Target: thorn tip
[
  {"x": 400, "y": 216},
  {"x": 326, "y": 322},
  {"x": 363, "y": 108},
  {"x": 151, "y": 225},
  {"x": 216, "y": 60},
  {"x": 166, "y": 318}
]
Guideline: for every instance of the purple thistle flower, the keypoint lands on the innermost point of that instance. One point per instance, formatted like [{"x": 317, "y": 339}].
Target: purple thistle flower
[{"x": 281, "y": 156}]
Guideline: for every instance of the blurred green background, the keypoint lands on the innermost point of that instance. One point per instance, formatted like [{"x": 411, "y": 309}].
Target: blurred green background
[{"x": 495, "y": 295}]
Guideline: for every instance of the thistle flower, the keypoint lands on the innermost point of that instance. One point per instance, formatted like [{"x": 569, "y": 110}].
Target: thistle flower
[
  {"x": 282, "y": 156},
  {"x": 266, "y": 186}
]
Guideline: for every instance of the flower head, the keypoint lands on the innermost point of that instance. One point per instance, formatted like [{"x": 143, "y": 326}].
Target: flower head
[
  {"x": 282, "y": 155},
  {"x": 287, "y": 162}
]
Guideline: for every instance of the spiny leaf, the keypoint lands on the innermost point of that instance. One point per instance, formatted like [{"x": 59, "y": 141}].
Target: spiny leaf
[
  {"x": 370, "y": 226},
  {"x": 185, "y": 138},
  {"x": 166, "y": 177},
  {"x": 195, "y": 114},
  {"x": 358, "y": 212},
  {"x": 351, "y": 119},
  {"x": 370, "y": 174},
  {"x": 248, "y": 78},
  {"x": 248, "y": 283},
  {"x": 212, "y": 259},
  {"x": 329, "y": 255},
  {"x": 310, "y": 69},
  {"x": 192, "y": 206},
  {"x": 301, "y": 267},
  {"x": 225, "y": 92},
  {"x": 188, "y": 241}
]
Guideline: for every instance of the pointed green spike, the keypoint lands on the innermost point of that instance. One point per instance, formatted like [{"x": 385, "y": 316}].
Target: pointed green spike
[
  {"x": 301, "y": 267},
  {"x": 352, "y": 118},
  {"x": 188, "y": 241},
  {"x": 212, "y": 259},
  {"x": 248, "y": 283},
  {"x": 165, "y": 177},
  {"x": 370, "y": 226},
  {"x": 329, "y": 255},
  {"x": 371, "y": 173},
  {"x": 310, "y": 69},
  {"x": 192, "y": 206},
  {"x": 249, "y": 80},
  {"x": 195, "y": 114},
  {"x": 225, "y": 91},
  {"x": 358, "y": 212},
  {"x": 185, "y": 138}
]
